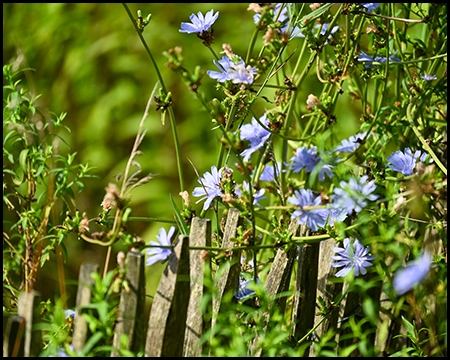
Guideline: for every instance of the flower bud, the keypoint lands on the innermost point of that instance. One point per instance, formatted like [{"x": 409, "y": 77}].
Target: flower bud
[{"x": 313, "y": 101}]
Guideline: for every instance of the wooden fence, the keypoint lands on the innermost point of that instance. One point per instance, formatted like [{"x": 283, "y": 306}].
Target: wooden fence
[{"x": 181, "y": 289}]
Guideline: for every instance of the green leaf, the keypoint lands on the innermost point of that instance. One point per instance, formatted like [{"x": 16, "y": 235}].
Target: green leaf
[
  {"x": 369, "y": 310},
  {"x": 410, "y": 329},
  {"x": 23, "y": 159},
  {"x": 94, "y": 339}
]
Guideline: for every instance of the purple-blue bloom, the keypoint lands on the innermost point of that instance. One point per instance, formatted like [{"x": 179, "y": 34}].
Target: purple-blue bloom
[
  {"x": 314, "y": 218},
  {"x": 200, "y": 23},
  {"x": 256, "y": 134},
  {"x": 370, "y": 6},
  {"x": 304, "y": 158},
  {"x": 236, "y": 71},
  {"x": 354, "y": 194},
  {"x": 428, "y": 77},
  {"x": 405, "y": 162},
  {"x": 210, "y": 187},
  {"x": 351, "y": 144},
  {"x": 281, "y": 17},
  {"x": 308, "y": 158},
  {"x": 156, "y": 253},
  {"x": 269, "y": 173},
  {"x": 413, "y": 274},
  {"x": 243, "y": 291},
  {"x": 337, "y": 215},
  {"x": 379, "y": 59},
  {"x": 350, "y": 258},
  {"x": 257, "y": 196},
  {"x": 69, "y": 313}
]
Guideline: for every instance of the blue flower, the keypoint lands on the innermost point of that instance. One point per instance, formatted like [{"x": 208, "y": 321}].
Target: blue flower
[
  {"x": 280, "y": 17},
  {"x": 314, "y": 218},
  {"x": 304, "y": 158},
  {"x": 308, "y": 159},
  {"x": 234, "y": 70},
  {"x": 370, "y": 6},
  {"x": 243, "y": 291},
  {"x": 366, "y": 58},
  {"x": 350, "y": 258},
  {"x": 157, "y": 253},
  {"x": 354, "y": 194},
  {"x": 256, "y": 134},
  {"x": 413, "y": 274},
  {"x": 427, "y": 77},
  {"x": 210, "y": 186},
  {"x": 270, "y": 173},
  {"x": 257, "y": 196},
  {"x": 405, "y": 162},
  {"x": 199, "y": 23},
  {"x": 337, "y": 215},
  {"x": 351, "y": 144},
  {"x": 69, "y": 313}
]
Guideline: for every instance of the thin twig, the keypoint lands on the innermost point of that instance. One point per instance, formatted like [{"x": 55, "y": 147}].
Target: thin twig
[{"x": 390, "y": 18}]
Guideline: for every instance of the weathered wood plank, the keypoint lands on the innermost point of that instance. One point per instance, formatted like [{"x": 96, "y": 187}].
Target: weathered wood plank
[
  {"x": 305, "y": 289},
  {"x": 84, "y": 294},
  {"x": 166, "y": 325},
  {"x": 196, "y": 324},
  {"x": 229, "y": 269},
  {"x": 279, "y": 276},
  {"x": 132, "y": 305},
  {"x": 325, "y": 288},
  {"x": 13, "y": 341},
  {"x": 277, "y": 282},
  {"x": 28, "y": 308}
]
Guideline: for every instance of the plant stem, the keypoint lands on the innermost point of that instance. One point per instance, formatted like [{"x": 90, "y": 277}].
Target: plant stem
[{"x": 163, "y": 86}]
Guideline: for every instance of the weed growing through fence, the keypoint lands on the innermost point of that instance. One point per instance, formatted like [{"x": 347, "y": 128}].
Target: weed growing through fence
[{"x": 287, "y": 151}]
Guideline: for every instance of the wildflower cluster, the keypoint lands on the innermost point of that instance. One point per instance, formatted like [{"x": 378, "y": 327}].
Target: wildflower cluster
[{"x": 335, "y": 194}]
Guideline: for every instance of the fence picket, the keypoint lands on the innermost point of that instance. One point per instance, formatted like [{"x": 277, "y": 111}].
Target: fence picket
[
  {"x": 132, "y": 305},
  {"x": 13, "y": 342},
  {"x": 305, "y": 289},
  {"x": 279, "y": 276},
  {"x": 196, "y": 324},
  {"x": 166, "y": 325},
  {"x": 327, "y": 289},
  {"x": 80, "y": 330},
  {"x": 278, "y": 280},
  {"x": 28, "y": 308},
  {"x": 229, "y": 270}
]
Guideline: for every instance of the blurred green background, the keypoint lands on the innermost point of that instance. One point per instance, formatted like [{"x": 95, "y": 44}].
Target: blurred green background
[{"x": 91, "y": 64}]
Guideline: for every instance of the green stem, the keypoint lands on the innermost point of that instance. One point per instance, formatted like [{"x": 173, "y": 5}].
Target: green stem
[
  {"x": 161, "y": 80},
  {"x": 422, "y": 140}
]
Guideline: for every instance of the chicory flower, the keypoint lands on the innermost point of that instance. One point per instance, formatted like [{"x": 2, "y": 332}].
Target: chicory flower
[
  {"x": 157, "y": 253},
  {"x": 200, "y": 23},
  {"x": 313, "y": 218},
  {"x": 353, "y": 195},
  {"x": 405, "y": 162},
  {"x": 210, "y": 186},
  {"x": 352, "y": 143},
  {"x": 256, "y": 134},
  {"x": 379, "y": 59},
  {"x": 234, "y": 70},
  {"x": 413, "y": 274},
  {"x": 352, "y": 258}
]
